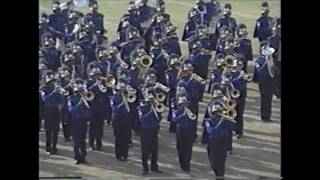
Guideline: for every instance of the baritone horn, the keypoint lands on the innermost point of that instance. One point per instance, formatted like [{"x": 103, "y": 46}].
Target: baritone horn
[
  {"x": 231, "y": 103},
  {"x": 131, "y": 96},
  {"x": 159, "y": 107},
  {"x": 229, "y": 60},
  {"x": 161, "y": 96},
  {"x": 232, "y": 113},
  {"x": 235, "y": 93}
]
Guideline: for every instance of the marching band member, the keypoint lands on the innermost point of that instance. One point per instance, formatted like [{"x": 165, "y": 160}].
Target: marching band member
[
  {"x": 50, "y": 53},
  {"x": 150, "y": 120},
  {"x": 224, "y": 34},
  {"x": 229, "y": 50},
  {"x": 244, "y": 45},
  {"x": 79, "y": 109},
  {"x": 263, "y": 75},
  {"x": 263, "y": 28},
  {"x": 135, "y": 82},
  {"x": 219, "y": 128},
  {"x": 97, "y": 20},
  {"x": 146, "y": 12},
  {"x": 171, "y": 41},
  {"x": 239, "y": 80},
  {"x": 67, "y": 60},
  {"x": 71, "y": 28},
  {"x": 201, "y": 9},
  {"x": 44, "y": 27},
  {"x": 185, "y": 132},
  {"x": 160, "y": 11},
  {"x": 191, "y": 26},
  {"x": 275, "y": 42},
  {"x": 191, "y": 85},
  {"x": 97, "y": 105},
  {"x": 69, "y": 7},
  {"x": 57, "y": 21},
  {"x": 227, "y": 20},
  {"x": 133, "y": 17},
  {"x": 87, "y": 41},
  {"x": 128, "y": 47},
  {"x": 159, "y": 56},
  {"x": 65, "y": 83},
  {"x": 123, "y": 35},
  {"x": 216, "y": 73},
  {"x": 213, "y": 9},
  {"x": 200, "y": 62},
  {"x": 52, "y": 101},
  {"x": 158, "y": 29},
  {"x": 120, "y": 121},
  {"x": 171, "y": 81},
  {"x": 217, "y": 95},
  {"x": 79, "y": 63}
]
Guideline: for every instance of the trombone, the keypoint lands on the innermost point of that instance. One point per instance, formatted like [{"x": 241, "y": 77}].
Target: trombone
[
  {"x": 61, "y": 90},
  {"x": 87, "y": 96},
  {"x": 108, "y": 81}
]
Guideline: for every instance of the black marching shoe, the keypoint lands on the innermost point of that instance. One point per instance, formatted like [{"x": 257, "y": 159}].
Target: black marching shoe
[
  {"x": 239, "y": 136},
  {"x": 54, "y": 151},
  {"x": 157, "y": 171},
  {"x": 144, "y": 173},
  {"x": 266, "y": 120},
  {"x": 77, "y": 162}
]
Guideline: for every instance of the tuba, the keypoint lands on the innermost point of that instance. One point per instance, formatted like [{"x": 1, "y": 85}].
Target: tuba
[{"x": 145, "y": 61}]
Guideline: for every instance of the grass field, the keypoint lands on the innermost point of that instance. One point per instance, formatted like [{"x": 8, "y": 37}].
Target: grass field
[{"x": 245, "y": 11}]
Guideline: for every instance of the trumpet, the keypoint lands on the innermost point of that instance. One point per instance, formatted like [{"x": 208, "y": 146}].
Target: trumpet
[
  {"x": 123, "y": 64},
  {"x": 246, "y": 77},
  {"x": 189, "y": 113},
  {"x": 196, "y": 77},
  {"x": 61, "y": 90},
  {"x": 205, "y": 51}
]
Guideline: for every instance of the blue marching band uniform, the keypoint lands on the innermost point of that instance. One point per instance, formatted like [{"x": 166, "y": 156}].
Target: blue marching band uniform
[{"x": 130, "y": 81}]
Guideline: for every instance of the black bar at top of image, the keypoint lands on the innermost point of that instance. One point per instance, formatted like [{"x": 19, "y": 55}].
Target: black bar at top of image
[{"x": 62, "y": 177}]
